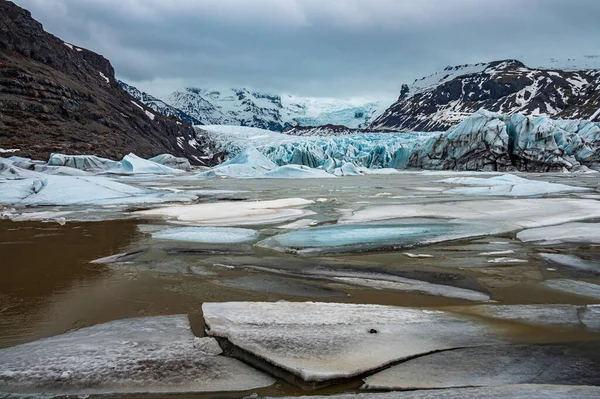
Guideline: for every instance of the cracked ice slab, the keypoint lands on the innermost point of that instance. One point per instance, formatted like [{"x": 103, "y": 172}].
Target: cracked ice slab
[
  {"x": 211, "y": 235},
  {"x": 523, "y": 391},
  {"x": 325, "y": 341},
  {"x": 235, "y": 213},
  {"x": 494, "y": 365},
  {"x": 507, "y": 185},
  {"x": 81, "y": 190},
  {"x": 578, "y": 233},
  {"x": 144, "y": 355},
  {"x": 575, "y": 287}
]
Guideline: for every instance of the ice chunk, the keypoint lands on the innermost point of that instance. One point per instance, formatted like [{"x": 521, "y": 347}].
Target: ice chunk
[
  {"x": 145, "y": 355},
  {"x": 507, "y": 260},
  {"x": 324, "y": 341},
  {"x": 343, "y": 238},
  {"x": 494, "y": 365},
  {"x": 90, "y": 190},
  {"x": 132, "y": 164},
  {"x": 252, "y": 157},
  {"x": 583, "y": 233},
  {"x": 575, "y": 287},
  {"x": 347, "y": 169},
  {"x": 233, "y": 171},
  {"x": 571, "y": 261},
  {"x": 507, "y": 185},
  {"x": 236, "y": 213},
  {"x": 521, "y": 391},
  {"x": 172, "y": 161},
  {"x": 82, "y": 162},
  {"x": 297, "y": 172},
  {"x": 212, "y": 235}
]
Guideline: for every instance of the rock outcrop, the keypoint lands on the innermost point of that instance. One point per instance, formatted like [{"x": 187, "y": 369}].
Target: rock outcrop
[
  {"x": 57, "y": 97},
  {"x": 442, "y": 100}
]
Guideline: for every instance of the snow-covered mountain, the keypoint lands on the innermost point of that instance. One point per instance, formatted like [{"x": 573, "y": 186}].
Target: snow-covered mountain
[
  {"x": 441, "y": 100},
  {"x": 243, "y": 107},
  {"x": 158, "y": 105}
]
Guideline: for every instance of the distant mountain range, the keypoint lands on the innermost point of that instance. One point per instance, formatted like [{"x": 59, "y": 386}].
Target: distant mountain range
[
  {"x": 244, "y": 107},
  {"x": 441, "y": 100}
]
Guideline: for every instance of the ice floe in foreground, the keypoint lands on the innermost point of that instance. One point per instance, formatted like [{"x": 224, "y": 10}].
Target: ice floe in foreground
[
  {"x": 577, "y": 233},
  {"x": 572, "y": 261},
  {"x": 494, "y": 365},
  {"x": 235, "y": 213},
  {"x": 575, "y": 287},
  {"x": 507, "y": 185},
  {"x": 324, "y": 341},
  {"x": 145, "y": 355},
  {"x": 524, "y": 391},
  {"x": 212, "y": 235},
  {"x": 81, "y": 190}
]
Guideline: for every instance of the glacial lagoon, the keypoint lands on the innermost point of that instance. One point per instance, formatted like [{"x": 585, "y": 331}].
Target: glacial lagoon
[{"x": 391, "y": 249}]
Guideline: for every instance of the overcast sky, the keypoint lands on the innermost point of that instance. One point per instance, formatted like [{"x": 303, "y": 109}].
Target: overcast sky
[{"x": 316, "y": 48}]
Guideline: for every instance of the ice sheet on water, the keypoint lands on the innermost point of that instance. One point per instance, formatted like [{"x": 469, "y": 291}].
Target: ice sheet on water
[
  {"x": 172, "y": 161},
  {"x": 132, "y": 164},
  {"x": 493, "y": 366},
  {"x": 571, "y": 261},
  {"x": 82, "y": 190},
  {"x": 82, "y": 162},
  {"x": 145, "y": 355},
  {"x": 297, "y": 172},
  {"x": 521, "y": 391},
  {"x": 252, "y": 157},
  {"x": 581, "y": 233},
  {"x": 235, "y": 213},
  {"x": 324, "y": 341},
  {"x": 345, "y": 238},
  {"x": 212, "y": 235},
  {"x": 507, "y": 185},
  {"x": 575, "y": 287}
]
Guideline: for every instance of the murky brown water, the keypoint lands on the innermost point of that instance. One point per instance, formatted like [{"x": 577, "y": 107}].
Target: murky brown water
[{"x": 48, "y": 285}]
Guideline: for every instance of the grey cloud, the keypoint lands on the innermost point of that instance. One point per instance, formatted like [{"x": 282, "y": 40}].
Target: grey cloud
[{"x": 334, "y": 48}]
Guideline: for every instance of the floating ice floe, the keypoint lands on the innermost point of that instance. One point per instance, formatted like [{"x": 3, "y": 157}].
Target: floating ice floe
[
  {"x": 325, "y": 341},
  {"x": 507, "y": 260},
  {"x": 144, "y": 355},
  {"x": 235, "y": 213},
  {"x": 578, "y": 233},
  {"x": 83, "y": 190},
  {"x": 521, "y": 391},
  {"x": 212, "y": 235},
  {"x": 499, "y": 215},
  {"x": 575, "y": 287},
  {"x": 494, "y": 365},
  {"x": 571, "y": 261},
  {"x": 297, "y": 172},
  {"x": 507, "y": 185},
  {"x": 345, "y": 238}
]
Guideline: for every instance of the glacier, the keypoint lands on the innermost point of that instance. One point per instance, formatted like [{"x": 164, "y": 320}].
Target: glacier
[{"x": 484, "y": 141}]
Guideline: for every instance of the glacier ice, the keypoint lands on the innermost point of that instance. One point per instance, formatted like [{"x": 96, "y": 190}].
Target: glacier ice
[
  {"x": 132, "y": 164},
  {"x": 507, "y": 185},
  {"x": 517, "y": 391},
  {"x": 325, "y": 341},
  {"x": 143, "y": 355},
  {"x": 483, "y": 141},
  {"x": 211, "y": 235},
  {"x": 235, "y": 213},
  {"x": 82, "y": 162},
  {"x": 578, "y": 233},
  {"x": 172, "y": 161},
  {"x": 493, "y": 365},
  {"x": 81, "y": 190}
]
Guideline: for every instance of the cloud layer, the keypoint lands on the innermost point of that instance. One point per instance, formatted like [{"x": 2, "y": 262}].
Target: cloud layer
[{"x": 333, "y": 48}]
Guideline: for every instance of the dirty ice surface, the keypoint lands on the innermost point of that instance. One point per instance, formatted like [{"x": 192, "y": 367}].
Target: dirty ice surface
[
  {"x": 213, "y": 235},
  {"x": 146, "y": 355}
]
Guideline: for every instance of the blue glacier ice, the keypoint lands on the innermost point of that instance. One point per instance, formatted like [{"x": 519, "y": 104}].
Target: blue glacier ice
[
  {"x": 132, "y": 164},
  {"x": 484, "y": 141},
  {"x": 210, "y": 235},
  {"x": 172, "y": 161}
]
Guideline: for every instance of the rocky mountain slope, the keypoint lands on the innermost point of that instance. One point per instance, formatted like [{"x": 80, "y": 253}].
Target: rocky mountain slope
[
  {"x": 243, "y": 107},
  {"x": 158, "y": 105},
  {"x": 56, "y": 97},
  {"x": 442, "y": 100}
]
